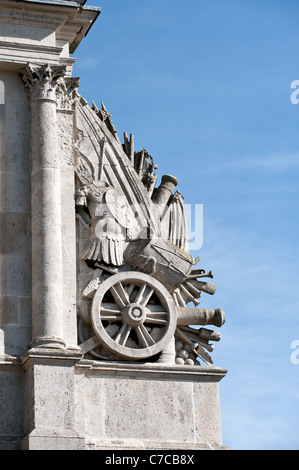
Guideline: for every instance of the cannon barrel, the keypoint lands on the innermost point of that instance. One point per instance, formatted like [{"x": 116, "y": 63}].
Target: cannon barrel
[
  {"x": 200, "y": 316},
  {"x": 163, "y": 193}
]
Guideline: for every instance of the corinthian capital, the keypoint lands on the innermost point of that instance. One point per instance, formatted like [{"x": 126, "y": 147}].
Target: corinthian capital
[
  {"x": 66, "y": 93},
  {"x": 42, "y": 81}
]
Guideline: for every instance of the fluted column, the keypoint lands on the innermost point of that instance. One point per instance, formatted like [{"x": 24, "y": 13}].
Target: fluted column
[{"x": 43, "y": 84}]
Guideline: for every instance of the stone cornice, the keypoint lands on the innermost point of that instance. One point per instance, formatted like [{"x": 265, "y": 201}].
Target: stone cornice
[
  {"x": 69, "y": 21},
  {"x": 12, "y": 52}
]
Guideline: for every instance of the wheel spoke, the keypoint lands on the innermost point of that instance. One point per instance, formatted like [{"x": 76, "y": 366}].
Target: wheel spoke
[
  {"x": 123, "y": 334},
  {"x": 111, "y": 318},
  {"x": 117, "y": 298},
  {"x": 156, "y": 308},
  {"x": 140, "y": 294},
  {"x": 108, "y": 307},
  {"x": 160, "y": 314},
  {"x": 147, "y": 297},
  {"x": 156, "y": 315},
  {"x": 129, "y": 289},
  {"x": 156, "y": 311},
  {"x": 144, "y": 295},
  {"x": 122, "y": 293},
  {"x": 110, "y": 312},
  {"x": 155, "y": 320},
  {"x": 144, "y": 337}
]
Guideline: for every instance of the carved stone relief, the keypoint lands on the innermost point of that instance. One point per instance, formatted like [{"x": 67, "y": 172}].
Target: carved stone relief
[{"x": 136, "y": 275}]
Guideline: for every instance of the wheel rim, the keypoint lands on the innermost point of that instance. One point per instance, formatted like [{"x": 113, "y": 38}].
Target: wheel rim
[{"x": 133, "y": 315}]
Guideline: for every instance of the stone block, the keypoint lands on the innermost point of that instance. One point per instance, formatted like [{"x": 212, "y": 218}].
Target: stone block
[
  {"x": 149, "y": 406},
  {"x": 16, "y": 339},
  {"x": 12, "y": 406},
  {"x": 15, "y": 233},
  {"x": 9, "y": 310},
  {"x": 17, "y": 193},
  {"x": 25, "y": 307},
  {"x": 18, "y": 277}
]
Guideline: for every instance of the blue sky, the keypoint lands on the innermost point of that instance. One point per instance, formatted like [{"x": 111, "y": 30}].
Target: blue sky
[{"x": 204, "y": 86}]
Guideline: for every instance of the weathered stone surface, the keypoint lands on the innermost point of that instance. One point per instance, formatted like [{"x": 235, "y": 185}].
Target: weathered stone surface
[
  {"x": 140, "y": 395},
  {"x": 12, "y": 405},
  {"x": 95, "y": 269},
  {"x": 15, "y": 251}
]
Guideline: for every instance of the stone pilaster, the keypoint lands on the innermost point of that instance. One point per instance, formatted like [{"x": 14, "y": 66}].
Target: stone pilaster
[
  {"x": 50, "y": 419},
  {"x": 44, "y": 84},
  {"x": 67, "y": 96}
]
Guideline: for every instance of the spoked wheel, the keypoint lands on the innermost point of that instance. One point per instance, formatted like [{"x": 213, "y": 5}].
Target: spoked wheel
[{"x": 133, "y": 315}]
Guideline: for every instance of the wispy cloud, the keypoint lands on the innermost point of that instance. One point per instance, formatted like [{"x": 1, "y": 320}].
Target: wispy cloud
[
  {"x": 88, "y": 63},
  {"x": 274, "y": 163}
]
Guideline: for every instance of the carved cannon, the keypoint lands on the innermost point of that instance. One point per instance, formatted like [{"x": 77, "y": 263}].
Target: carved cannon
[{"x": 199, "y": 316}]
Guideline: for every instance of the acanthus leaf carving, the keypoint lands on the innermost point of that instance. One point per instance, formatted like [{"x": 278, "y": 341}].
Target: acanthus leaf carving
[
  {"x": 66, "y": 93},
  {"x": 49, "y": 82},
  {"x": 41, "y": 81}
]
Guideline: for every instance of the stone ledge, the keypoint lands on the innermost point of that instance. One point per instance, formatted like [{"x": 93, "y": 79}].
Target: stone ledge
[
  {"x": 120, "y": 369},
  {"x": 40, "y": 439},
  {"x": 8, "y": 362},
  {"x": 9, "y": 442},
  {"x": 151, "y": 371},
  {"x": 145, "y": 444},
  {"x": 44, "y": 356}
]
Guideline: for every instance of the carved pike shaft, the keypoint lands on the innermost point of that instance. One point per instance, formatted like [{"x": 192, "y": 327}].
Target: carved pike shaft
[{"x": 196, "y": 286}]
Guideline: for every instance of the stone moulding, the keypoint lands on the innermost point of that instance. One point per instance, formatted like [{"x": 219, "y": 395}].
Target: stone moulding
[
  {"x": 31, "y": 53},
  {"x": 72, "y": 20},
  {"x": 52, "y": 357},
  {"x": 59, "y": 24},
  {"x": 150, "y": 371}
]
